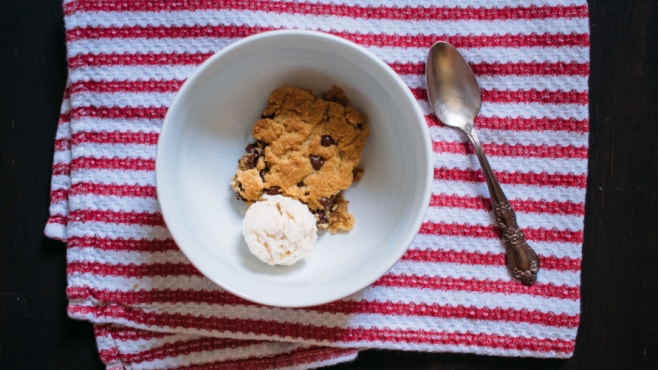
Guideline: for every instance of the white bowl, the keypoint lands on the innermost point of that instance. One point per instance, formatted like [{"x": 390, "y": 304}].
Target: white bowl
[{"x": 209, "y": 124}]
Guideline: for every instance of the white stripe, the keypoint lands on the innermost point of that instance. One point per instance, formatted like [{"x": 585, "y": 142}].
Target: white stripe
[
  {"x": 60, "y": 182},
  {"x": 361, "y": 321},
  {"x": 577, "y": 54},
  {"x": 512, "y": 164},
  {"x": 62, "y": 156},
  {"x": 59, "y": 208},
  {"x": 63, "y": 130},
  {"x": 512, "y": 191},
  {"x": 479, "y": 272},
  {"x": 65, "y": 107},
  {"x": 123, "y": 99},
  {"x": 119, "y": 177},
  {"x": 525, "y": 110},
  {"x": 471, "y": 244},
  {"x": 131, "y": 73},
  {"x": 55, "y": 231},
  {"x": 387, "y": 53},
  {"x": 325, "y": 22},
  {"x": 375, "y": 293},
  {"x": 486, "y": 218},
  {"x": 487, "y": 136},
  {"x": 120, "y": 257},
  {"x": 516, "y": 83},
  {"x": 113, "y": 203},
  {"x": 94, "y": 150},
  {"x": 182, "y": 72},
  {"x": 92, "y": 124},
  {"x": 115, "y": 231}
]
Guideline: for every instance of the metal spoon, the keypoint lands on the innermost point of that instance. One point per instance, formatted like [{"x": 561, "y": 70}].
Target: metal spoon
[{"x": 455, "y": 97}]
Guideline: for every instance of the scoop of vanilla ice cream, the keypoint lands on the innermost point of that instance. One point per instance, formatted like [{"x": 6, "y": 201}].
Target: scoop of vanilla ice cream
[{"x": 279, "y": 230}]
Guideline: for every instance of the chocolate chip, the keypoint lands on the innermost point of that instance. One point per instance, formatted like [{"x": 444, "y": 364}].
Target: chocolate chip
[
  {"x": 251, "y": 148},
  {"x": 359, "y": 126},
  {"x": 300, "y": 184},
  {"x": 270, "y": 116},
  {"x": 274, "y": 190},
  {"x": 325, "y": 202},
  {"x": 262, "y": 173},
  {"x": 322, "y": 218},
  {"x": 316, "y": 162},
  {"x": 326, "y": 140},
  {"x": 238, "y": 196},
  {"x": 250, "y": 161}
]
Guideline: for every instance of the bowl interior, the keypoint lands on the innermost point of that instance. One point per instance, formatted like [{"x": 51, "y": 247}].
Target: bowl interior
[{"x": 209, "y": 124}]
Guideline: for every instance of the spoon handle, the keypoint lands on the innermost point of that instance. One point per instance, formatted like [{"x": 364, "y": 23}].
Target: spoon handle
[{"x": 522, "y": 261}]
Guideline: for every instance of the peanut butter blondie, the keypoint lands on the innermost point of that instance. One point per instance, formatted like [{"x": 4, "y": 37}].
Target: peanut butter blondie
[{"x": 307, "y": 149}]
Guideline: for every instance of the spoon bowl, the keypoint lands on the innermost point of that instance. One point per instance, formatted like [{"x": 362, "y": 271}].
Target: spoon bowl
[{"x": 452, "y": 88}]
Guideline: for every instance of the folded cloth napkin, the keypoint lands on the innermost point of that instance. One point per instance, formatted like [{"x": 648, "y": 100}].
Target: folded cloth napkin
[{"x": 450, "y": 292}]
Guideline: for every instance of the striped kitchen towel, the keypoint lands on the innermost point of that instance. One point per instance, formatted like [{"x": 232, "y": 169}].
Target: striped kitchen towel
[{"x": 152, "y": 309}]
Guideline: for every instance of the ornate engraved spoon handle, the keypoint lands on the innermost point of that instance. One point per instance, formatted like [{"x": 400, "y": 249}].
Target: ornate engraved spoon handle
[{"x": 522, "y": 261}]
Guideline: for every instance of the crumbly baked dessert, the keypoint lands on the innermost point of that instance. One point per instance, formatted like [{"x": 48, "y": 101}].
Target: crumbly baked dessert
[{"x": 307, "y": 149}]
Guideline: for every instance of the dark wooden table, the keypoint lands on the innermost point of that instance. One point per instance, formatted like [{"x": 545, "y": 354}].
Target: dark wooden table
[{"x": 619, "y": 322}]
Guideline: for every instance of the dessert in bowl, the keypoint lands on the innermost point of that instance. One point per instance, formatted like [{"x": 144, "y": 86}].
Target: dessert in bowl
[{"x": 210, "y": 123}]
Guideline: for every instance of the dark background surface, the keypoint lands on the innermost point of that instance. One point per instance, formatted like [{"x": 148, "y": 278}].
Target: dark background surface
[{"x": 619, "y": 322}]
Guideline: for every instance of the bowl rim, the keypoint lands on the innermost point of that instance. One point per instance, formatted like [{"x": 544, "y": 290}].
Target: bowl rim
[{"x": 162, "y": 187}]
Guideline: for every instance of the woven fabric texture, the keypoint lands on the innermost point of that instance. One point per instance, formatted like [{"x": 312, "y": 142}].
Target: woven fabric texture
[{"x": 450, "y": 292}]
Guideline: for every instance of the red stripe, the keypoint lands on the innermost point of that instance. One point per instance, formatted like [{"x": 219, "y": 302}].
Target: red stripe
[
  {"x": 57, "y": 219},
  {"x": 120, "y": 217},
  {"x": 159, "y": 86},
  {"x": 131, "y": 270},
  {"x": 114, "y": 59},
  {"x": 58, "y": 195},
  {"x": 516, "y": 150},
  {"x": 234, "y": 32},
  {"x": 523, "y": 124},
  {"x": 142, "y": 191},
  {"x": 185, "y": 347},
  {"x": 400, "y": 281},
  {"x": 522, "y": 96},
  {"x": 63, "y": 118},
  {"x": 481, "y": 286},
  {"x": 119, "y": 244},
  {"x": 492, "y": 123},
  {"x": 304, "y": 357},
  {"x": 322, "y": 333},
  {"x": 491, "y": 232},
  {"x": 108, "y": 355},
  {"x": 516, "y": 178},
  {"x": 520, "y": 205},
  {"x": 120, "y": 112},
  {"x": 486, "y": 259},
  {"x": 340, "y": 10},
  {"x": 339, "y": 307},
  {"x": 122, "y": 333},
  {"x": 62, "y": 144},
  {"x": 506, "y": 69},
  {"x": 115, "y": 137},
  {"x": 128, "y": 164},
  {"x": 439, "y": 200},
  {"x": 60, "y": 168}
]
